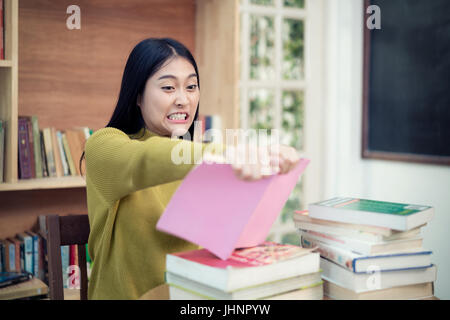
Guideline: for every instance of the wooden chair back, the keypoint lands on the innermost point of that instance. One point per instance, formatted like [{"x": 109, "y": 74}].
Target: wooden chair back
[{"x": 61, "y": 231}]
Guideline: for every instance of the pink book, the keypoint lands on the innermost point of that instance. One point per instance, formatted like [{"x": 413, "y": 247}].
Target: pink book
[{"x": 214, "y": 209}]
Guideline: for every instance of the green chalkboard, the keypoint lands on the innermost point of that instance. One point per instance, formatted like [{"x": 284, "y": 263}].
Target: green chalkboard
[{"x": 406, "y": 111}]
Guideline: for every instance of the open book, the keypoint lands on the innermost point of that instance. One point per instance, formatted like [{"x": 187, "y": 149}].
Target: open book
[{"x": 218, "y": 211}]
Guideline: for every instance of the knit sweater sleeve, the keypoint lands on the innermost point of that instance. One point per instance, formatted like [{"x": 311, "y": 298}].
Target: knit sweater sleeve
[{"x": 117, "y": 165}]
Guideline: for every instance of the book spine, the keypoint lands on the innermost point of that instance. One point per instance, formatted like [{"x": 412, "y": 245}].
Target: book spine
[
  {"x": 22, "y": 255},
  {"x": 49, "y": 152},
  {"x": 31, "y": 147},
  {"x": 44, "y": 156},
  {"x": 2, "y": 150},
  {"x": 24, "y": 150},
  {"x": 28, "y": 242},
  {"x": 56, "y": 153},
  {"x": 12, "y": 257},
  {"x": 62, "y": 154},
  {"x": 337, "y": 256},
  {"x": 65, "y": 264},
  {"x": 73, "y": 171},
  {"x": 37, "y": 146},
  {"x": 35, "y": 255}
]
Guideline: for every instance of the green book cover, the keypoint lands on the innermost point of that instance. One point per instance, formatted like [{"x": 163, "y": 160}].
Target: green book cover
[
  {"x": 37, "y": 146},
  {"x": 400, "y": 209}
]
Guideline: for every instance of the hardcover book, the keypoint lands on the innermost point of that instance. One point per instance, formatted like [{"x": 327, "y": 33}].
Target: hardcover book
[
  {"x": 360, "y": 263},
  {"x": 245, "y": 267},
  {"x": 363, "y": 282},
  {"x": 49, "y": 152},
  {"x": 31, "y": 147},
  {"x": 37, "y": 146},
  {"x": 365, "y": 247},
  {"x": 397, "y": 216},
  {"x": 25, "y": 169},
  {"x": 28, "y": 251},
  {"x": 218, "y": 211}
]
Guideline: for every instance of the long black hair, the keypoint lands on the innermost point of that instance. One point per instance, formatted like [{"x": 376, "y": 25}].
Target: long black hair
[{"x": 146, "y": 58}]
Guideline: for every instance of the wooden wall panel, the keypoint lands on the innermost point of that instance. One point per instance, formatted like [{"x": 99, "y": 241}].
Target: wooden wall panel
[{"x": 72, "y": 77}]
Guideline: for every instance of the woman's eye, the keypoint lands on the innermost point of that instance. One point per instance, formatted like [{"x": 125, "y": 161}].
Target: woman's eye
[
  {"x": 192, "y": 87},
  {"x": 168, "y": 88}
]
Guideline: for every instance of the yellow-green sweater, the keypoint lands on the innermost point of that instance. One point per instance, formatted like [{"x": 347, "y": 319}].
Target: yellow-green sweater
[{"x": 129, "y": 184}]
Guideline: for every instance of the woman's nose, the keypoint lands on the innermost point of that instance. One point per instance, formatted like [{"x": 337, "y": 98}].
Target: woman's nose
[{"x": 181, "y": 98}]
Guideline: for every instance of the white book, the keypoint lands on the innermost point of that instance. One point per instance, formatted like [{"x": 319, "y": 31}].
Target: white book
[
  {"x": 363, "y": 282},
  {"x": 254, "y": 292},
  {"x": 354, "y": 233},
  {"x": 358, "y": 263},
  {"x": 365, "y": 247},
  {"x": 397, "y": 216},
  {"x": 314, "y": 292},
  {"x": 246, "y": 270}
]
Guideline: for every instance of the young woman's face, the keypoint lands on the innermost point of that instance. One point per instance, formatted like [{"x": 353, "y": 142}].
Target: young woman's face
[{"x": 170, "y": 98}]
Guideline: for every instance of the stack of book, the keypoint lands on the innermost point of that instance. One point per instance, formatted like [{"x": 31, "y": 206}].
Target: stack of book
[
  {"x": 369, "y": 249},
  {"x": 269, "y": 271},
  {"x": 49, "y": 152}
]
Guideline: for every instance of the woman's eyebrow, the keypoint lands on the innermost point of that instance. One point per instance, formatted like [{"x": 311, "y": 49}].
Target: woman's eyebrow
[{"x": 173, "y": 77}]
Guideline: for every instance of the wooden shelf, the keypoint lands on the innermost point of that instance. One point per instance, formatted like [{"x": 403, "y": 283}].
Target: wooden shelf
[
  {"x": 44, "y": 183},
  {"x": 5, "y": 63}
]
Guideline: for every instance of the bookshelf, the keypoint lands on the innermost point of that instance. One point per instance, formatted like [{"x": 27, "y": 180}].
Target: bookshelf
[
  {"x": 72, "y": 78},
  {"x": 9, "y": 79}
]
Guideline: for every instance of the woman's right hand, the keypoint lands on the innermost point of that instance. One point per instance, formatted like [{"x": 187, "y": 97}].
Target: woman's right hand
[{"x": 281, "y": 161}]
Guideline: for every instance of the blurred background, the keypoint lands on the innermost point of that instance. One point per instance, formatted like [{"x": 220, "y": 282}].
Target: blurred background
[{"x": 300, "y": 66}]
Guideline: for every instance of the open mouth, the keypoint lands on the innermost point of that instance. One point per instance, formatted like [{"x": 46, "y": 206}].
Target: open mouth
[{"x": 178, "y": 117}]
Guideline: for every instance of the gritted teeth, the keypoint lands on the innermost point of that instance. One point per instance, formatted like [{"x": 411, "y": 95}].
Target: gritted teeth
[{"x": 178, "y": 116}]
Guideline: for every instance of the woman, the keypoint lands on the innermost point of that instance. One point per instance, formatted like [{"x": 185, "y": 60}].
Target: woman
[{"x": 130, "y": 177}]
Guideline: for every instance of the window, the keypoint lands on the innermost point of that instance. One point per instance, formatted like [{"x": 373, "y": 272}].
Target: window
[{"x": 273, "y": 86}]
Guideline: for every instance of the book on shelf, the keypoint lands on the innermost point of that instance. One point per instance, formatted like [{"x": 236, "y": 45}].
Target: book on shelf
[
  {"x": 30, "y": 288},
  {"x": 17, "y": 263},
  {"x": 31, "y": 146},
  {"x": 76, "y": 140},
  {"x": 2, "y": 150},
  {"x": 312, "y": 292},
  {"x": 56, "y": 153},
  {"x": 361, "y": 232},
  {"x": 25, "y": 167},
  {"x": 407, "y": 292},
  {"x": 245, "y": 268},
  {"x": 28, "y": 251},
  {"x": 37, "y": 147},
  {"x": 70, "y": 162},
  {"x": 364, "y": 247},
  {"x": 65, "y": 262},
  {"x": 397, "y": 216},
  {"x": 43, "y": 155},
  {"x": 261, "y": 291},
  {"x": 63, "y": 157},
  {"x": 49, "y": 151},
  {"x": 375, "y": 280},
  {"x": 9, "y": 256},
  {"x": 36, "y": 251},
  {"x": 360, "y": 263},
  {"x": 199, "y": 213}
]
